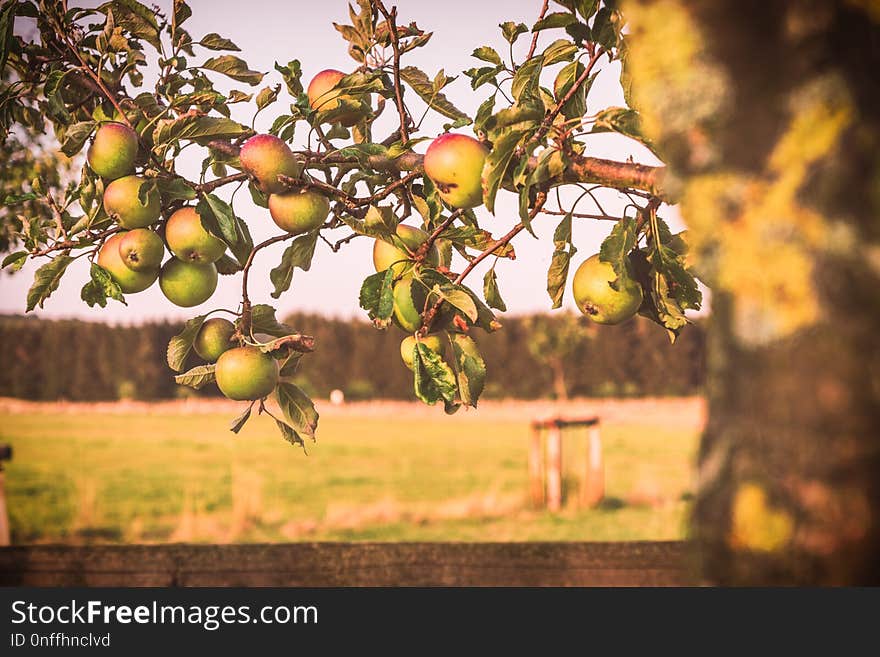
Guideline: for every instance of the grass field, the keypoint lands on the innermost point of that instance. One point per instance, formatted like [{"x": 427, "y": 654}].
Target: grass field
[{"x": 159, "y": 475}]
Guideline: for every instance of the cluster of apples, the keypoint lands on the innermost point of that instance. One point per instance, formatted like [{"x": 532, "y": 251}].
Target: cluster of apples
[{"x": 133, "y": 255}]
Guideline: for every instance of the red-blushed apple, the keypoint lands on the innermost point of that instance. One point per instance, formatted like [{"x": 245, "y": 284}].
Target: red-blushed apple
[
  {"x": 265, "y": 157},
  {"x": 128, "y": 280},
  {"x": 455, "y": 165},
  {"x": 121, "y": 200},
  {"x": 323, "y": 97},
  {"x": 188, "y": 239},
  {"x": 300, "y": 211},
  {"x": 113, "y": 151},
  {"x": 386, "y": 255},
  {"x": 142, "y": 249}
]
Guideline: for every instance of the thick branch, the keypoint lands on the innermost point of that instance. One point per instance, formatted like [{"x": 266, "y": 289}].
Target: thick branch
[{"x": 589, "y": 170}]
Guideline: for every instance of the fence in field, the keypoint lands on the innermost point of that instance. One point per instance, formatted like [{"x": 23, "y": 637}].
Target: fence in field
[
  {"x": 373, "y": 564},
  {"x": 545, "y": 463}
]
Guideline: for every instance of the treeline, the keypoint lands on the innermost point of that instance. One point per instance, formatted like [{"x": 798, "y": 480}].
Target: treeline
[{"x": 531, "y": 357}]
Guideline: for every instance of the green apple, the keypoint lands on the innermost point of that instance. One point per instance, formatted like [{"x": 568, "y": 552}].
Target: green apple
[
  {"x": 265, "y": 157},
  {"x": 387, "y": 255},
  {"x": 595, "y": 297},
  {"x": 142, "y": 249},
  {"x": 246, "y": 373},
  {"x": 188, "y": 284},
  {"x": 409, "y": 302},
  {"x": 435, "y": 343},
  {"x": 129, "y": 280},
  {"x": 300, "y": 211},
  {"x": 113, "y": 151},
  {"x": 121, "y": 201},
  {"x": 214, "y": 338},
  {"x": 455, "y": 164},
  {"x": 188, "y": 239}
]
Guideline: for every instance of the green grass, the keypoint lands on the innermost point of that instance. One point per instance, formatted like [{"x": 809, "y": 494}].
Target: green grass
[{"x": 156, "y": 478}]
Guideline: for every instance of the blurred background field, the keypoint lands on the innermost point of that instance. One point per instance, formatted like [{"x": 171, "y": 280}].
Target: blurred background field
[{"x": 394, "y": 471}]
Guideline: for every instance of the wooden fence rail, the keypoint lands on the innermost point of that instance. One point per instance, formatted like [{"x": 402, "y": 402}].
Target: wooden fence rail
[{"x": 352, "y": 564}]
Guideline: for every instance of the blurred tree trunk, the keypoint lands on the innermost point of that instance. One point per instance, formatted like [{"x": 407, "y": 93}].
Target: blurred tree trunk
[
  {"x": 768, "y": 115},
  {"x": 560, "y": 388}
]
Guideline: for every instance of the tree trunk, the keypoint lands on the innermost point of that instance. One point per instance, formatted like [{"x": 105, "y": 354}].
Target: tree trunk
[
  {"x": 559, "y": 385},
  {"x": 767, "y": 114}
]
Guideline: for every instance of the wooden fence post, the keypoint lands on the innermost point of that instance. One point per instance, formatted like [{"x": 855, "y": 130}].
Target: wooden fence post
[
  {"x": 536, "y": 468},
  {"x": 554, "y": 467},
  {"x": 593, "y": 488}
]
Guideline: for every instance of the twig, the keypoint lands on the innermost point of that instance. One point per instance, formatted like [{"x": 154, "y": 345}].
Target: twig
[
  {"x": 431, "y": 314},
  {"x": 535, "y": 35},
  {"x": 422, "y": 251},
  {"x": 391, "y": 19}
]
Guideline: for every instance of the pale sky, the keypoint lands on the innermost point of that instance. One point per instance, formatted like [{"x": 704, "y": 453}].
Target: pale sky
[{"x": 269, "y": 31}]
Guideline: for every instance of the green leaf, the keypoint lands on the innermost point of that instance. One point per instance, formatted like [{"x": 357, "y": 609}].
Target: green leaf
[
  {"x": 497, "y": 162},
  {"x": 263, "y": 321},
  {"x": 476, "y": 238},
  {"x": 197, "y": 378},
  {"x": 15, "y": 199},
  {"x": 219, "y": 219},
  {"x": 200, "y": 129},
  {"x": 46, "y": 280},
  {"x": 181, "y": 11},
  {"x": 556, "y": 19},
  {"x": 174, "y": 189},
  {"x": 371, "y": 292},
  {"x": 385, "y": 306},
  {"x": 458, "y": 297},
  {"x": 139, "y": 20},
  {"x": 299, "y": 411},
  {"x": 100, "y": 288},
  {"x": 484, "y": 113},
  {"x": 527, "y": 79},
  {"x": 235, "y": 68},
  {"x": 561, "y": 50},
  {"x": 487, "y": 54},
  {"x": 623, "y": 120},
  {"x": 298, "y": 254},
  {"x": 267, "y": 96},
  {"x": 226, "y": 266},
  {"x": 7, "y": 21},
  {"x": 606, "y": 28},
  {"x": 292, "y": 74},
  {"x": 75, "y": 137},
  {"x": 180, "y": 345},
  {"x": 433, "y": 379},
  {"x": 511, "y": 30},
  {"x": 380, "y": 221},
  {"x": 577, "y": 104},
  {"x": 491, "y": 292},
  {"x": 586, "y": 8},
  {"x": 239, "y": 422},
  {"x": 214, "y": 41},
  {"x": 557, "y": 275},
  {"x": 15, "y": 260},
  {"x": 617, "y": 246},
  {"x": 424, "y": 88},
  {"x": 470, "y": 368}
]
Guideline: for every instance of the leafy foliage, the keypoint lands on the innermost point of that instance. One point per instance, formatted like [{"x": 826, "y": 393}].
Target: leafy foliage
[{"x": 533, "y": 121}]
